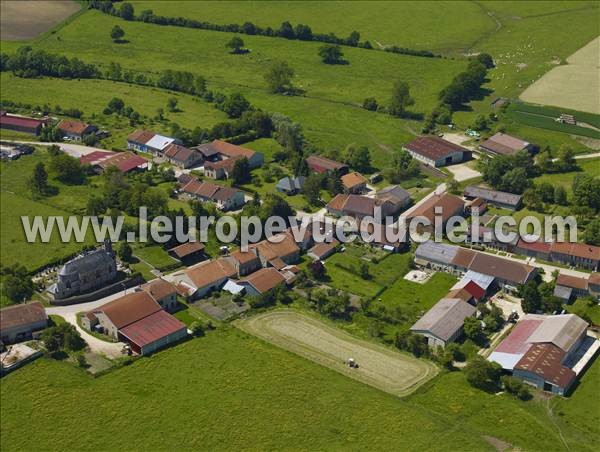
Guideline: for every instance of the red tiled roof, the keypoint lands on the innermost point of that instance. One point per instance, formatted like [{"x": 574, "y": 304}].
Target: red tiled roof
[
  {"x": 265, "y": 279},
  {"x": 516, "y": 342},
  {"x": 208, "y": 273},
  {"x": 243, "y": 257},
  {"x": 577, "y": 249},
  {"x": 450, "y": 206},
  {"x": 545, "y": 360},
  {"x": 129, "y": 308},
  {"x": 159, "y": 289},
  {"x": 22, "y": 315},
  {"x": 93, "y": 158},
  {"x": 433, "y": 148},
  {"x": 185, "y": 249},
  {"x": 538, "y": 246},
  {"x": 321, "y": 164},
  {"x": 124, "y": 161},
  {"x": 572, "y": 281},
  {"x": 152, "y": 328},
  {"x": 178, "y": 152},
  {"x": 76, "y": 127},
  {"x": 140, "y": 136},
  {"x": 231, "y": 150},
  {"x": 226, "y": 164},
  {"x": 352, "y": 180},
  {"x": 20, "y": 121}
]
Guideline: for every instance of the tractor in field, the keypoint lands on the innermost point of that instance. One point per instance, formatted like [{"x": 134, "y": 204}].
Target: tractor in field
[{"x": 350, "y": 362}]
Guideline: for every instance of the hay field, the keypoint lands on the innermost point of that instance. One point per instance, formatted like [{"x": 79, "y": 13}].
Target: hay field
[
  {"x": 380, "y": 367},
  {"x": 22, "y": 20},
  {"x": 575, "y": 85}
]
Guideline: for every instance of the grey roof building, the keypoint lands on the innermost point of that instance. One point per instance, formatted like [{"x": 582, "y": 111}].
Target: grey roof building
[
  {"x": 436, "y": 253},
  {"x": 290, "y": 185},
  {"x": 443, "y": 323},
  {"x": 85, "y": 273},
  {"x": 494, "y": 197}
]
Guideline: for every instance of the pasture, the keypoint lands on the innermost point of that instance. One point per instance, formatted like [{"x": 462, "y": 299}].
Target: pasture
[
  {"x": 21, "y": 20},
  {"x": 380, "y": 367},
  {"x": 230, "y": 391},
  {"x": 571, "y": 85},
  {"x": 17, "y": 202}
]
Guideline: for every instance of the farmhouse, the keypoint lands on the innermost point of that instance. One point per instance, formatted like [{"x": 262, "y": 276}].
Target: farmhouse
[
  {"x": 181, "y": 156},
  {"x": 395, "y": 197},
  {"x": 542, "y": 349},
  {"x": 354, "y": 183},
  {"x": 445, "y": 206},
  {"x": 244, "y": 262},
  {"x": 138, "y": 319},
  {"x": 262, "y": 281},
  {"x": 21, "y": 123},
  {"x": 75, "y": 130},
  {"x": 499, "y": 199},
  {"x": 280, "y": 251},
  {"x": 163, "y": 292},
  {"x": 205, "y": 277},
  {"x": 290, "y": 185},
  {"x": 145, "y": 141},
  {"x": 443, "y": 323},
  {"x": 507, "y": 274},
  {"x": 503, "y": 144},
  {"x": 568, "y": 286},
  {"x": 359, "y": 206},
  {"x": 576, "y": 254},
  {"x": 225, "y": 198},
  {"x": 319, "y": 164},
  {"x": 85, "y": 273},
  {"x": 435, "y": 151},
  {"x": 322, "y": 251},
  {"x": 353, "y": 205},
  {"x": 221, "y": 150},
  {"x": 221, "y": 169},
  {"x": 18, "y": 322}
]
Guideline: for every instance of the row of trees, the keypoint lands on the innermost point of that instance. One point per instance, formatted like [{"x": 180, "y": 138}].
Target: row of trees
[
  {"x": 29, "y": 63},
  {"x": 286, "y": 30}
]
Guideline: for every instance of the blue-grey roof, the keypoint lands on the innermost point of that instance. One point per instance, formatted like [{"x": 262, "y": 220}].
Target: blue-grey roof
[
  {"x": 562, "y": 292},
  {"x": 87, "y": 262},
  {"x": 288, "y": 183},
  {"x": 436, "y": 252}
]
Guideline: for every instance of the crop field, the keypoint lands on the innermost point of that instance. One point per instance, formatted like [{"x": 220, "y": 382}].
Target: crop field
[
  {"x": 570, "y": 85},
  {"x": 380, "y": 367},
  {"x": 230, "y": 391},
  {"x": 21, "y": 20}
]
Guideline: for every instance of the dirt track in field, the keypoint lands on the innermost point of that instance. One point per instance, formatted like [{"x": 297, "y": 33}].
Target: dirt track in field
[
  {"x": 574, "y": 85},
  {"x": 380, "y": 367},
  {"x": 22, "y": 20}
]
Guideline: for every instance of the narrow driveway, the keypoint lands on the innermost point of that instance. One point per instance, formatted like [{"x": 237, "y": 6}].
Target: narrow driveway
[{"x": 74, "y": 150}]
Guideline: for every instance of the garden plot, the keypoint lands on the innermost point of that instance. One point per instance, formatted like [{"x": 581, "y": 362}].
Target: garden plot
[{"x": 378, "y": 366}]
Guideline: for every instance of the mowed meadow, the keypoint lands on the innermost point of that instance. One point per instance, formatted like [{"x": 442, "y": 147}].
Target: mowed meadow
[
  {"x": 330, "y": 110},
  {"x": 231, "y": 391}
]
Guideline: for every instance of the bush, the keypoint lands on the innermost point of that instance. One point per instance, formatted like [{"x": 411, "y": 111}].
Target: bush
[{"x": 515, "y": 387}]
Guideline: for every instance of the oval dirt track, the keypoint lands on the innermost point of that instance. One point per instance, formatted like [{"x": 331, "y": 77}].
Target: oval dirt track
[{"x": 380, "y": 367}]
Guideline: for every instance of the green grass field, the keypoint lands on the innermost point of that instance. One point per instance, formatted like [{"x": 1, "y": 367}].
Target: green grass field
[
  {"x": 17, "y": 202},
  {"x": 239, "y": 392},
  {"x": 154, "y": 255}
]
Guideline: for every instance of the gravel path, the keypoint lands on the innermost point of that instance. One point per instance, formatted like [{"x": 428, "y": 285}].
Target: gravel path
[{"x": 385, "y": 369}]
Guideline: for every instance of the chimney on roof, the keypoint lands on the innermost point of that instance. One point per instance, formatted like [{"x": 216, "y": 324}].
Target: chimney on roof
[{"x": 108, "y": 246}]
